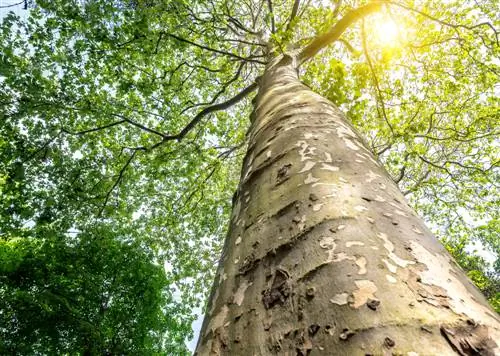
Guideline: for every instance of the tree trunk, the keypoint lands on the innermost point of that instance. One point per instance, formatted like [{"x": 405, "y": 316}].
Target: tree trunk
[{"x": 324, "y": 255}]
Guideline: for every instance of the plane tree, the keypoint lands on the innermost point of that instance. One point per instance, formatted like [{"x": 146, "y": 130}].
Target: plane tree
[{"x": 136, "y": 115}]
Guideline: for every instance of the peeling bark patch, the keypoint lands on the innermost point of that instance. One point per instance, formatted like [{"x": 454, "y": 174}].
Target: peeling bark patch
[
  {"x": 442, "y": 287},
  {"x": 401, "y": 213},
  {"x": 239, "y": 296},
  {"x": 431, "y": 294},
  {"x": 279, "y": 291},
  {"x": 371, "y": 176},
  {"x": 308, "y": 166},
  {"x": 350, "y": 144},
  {"x": 354, "y": 243},
  {"x": 222, "y": 276},
  {"x": 310, "y": 179},
  {"x": 391, "y": 279},
  {"x": 361, "y": 263},
  {"x": 317, "y": 207},
  {"x": 415, "y": 229},
  {"x": 236, "y": 210},
  {"x": 390, "y": 248},
  {"x": 341, "y": 257},
  {"x": 365, "y": 291},
  {"x": 328, "y": 167},
  {"x": 218, "y": 321},
  {"x": 360, "y": 208},
  {"x": 390, "y": 266},
  {"x": 328, "y": 243},
  {"x": 340, "y": 299},
  {"x": 309, "y": 135},
  {"x": 346, "y": 135},
  {"x": 470, "y": 339},
  {"x": 306, "y": 151}
]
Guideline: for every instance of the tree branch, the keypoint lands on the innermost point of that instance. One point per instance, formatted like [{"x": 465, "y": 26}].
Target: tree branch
[
  {"x": 337, "y": 8},
  {"x": 417, "y": 183},
  {"x": 136, "y": 124},
  {"x": 12, "y": 5},
  {"x": 444, "y": 23},
  {"x": 271, "y": 14},
  {"x": 118, "y": 180},
  {"x": 208, "y": 110},
  {"x": 206, "y": 48},
  {"x": 83, "y": 132},
  {"x": 325, "y": 39},
  {"x": 295, "y": 9},
  {"x": 44, "y": 146}
]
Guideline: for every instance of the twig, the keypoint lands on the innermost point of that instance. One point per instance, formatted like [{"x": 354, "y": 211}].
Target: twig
[
  {"x": 83, "y": 132},
  {"x": 12, "y": 5},
  {"x": 118, "y": 180}
]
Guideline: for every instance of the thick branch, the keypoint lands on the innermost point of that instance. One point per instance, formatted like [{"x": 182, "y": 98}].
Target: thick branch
[
  {"x": 208, "y": 110},
  {"x": 323, "y": 40},
  {"x": 213, "y": 108},
  {"x": 295, "y": 8},
  {"x": 271, "y": 14}
]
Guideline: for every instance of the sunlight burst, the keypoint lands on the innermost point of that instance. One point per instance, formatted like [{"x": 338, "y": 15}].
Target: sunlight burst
[{"x": 387, "y": 33}]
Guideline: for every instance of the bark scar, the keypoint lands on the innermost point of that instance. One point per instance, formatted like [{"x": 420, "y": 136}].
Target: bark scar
[
  {"x": 280, "y": 289},
  {"x": 469, "y": 339}
]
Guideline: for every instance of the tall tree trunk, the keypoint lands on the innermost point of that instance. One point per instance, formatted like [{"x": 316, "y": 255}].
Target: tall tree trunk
[{"x": 324, "y": 255}]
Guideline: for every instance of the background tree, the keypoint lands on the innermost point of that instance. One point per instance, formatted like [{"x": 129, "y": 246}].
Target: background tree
[{"x": 112, "y": 117}]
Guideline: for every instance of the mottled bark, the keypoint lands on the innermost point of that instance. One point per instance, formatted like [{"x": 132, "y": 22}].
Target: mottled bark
[{"x": 324, "y": 255}]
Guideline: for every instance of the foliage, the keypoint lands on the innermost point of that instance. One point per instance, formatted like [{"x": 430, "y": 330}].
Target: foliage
[
  {"x": 88, "y": 293},
  {"x": 109, "y": 131}
]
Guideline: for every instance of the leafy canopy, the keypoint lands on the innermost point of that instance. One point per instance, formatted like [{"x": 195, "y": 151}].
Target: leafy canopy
[{"x": 122, "y": 133}]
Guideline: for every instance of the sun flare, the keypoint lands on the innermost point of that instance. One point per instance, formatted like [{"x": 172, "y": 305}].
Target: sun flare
[{"x": 387, "y": 33}]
